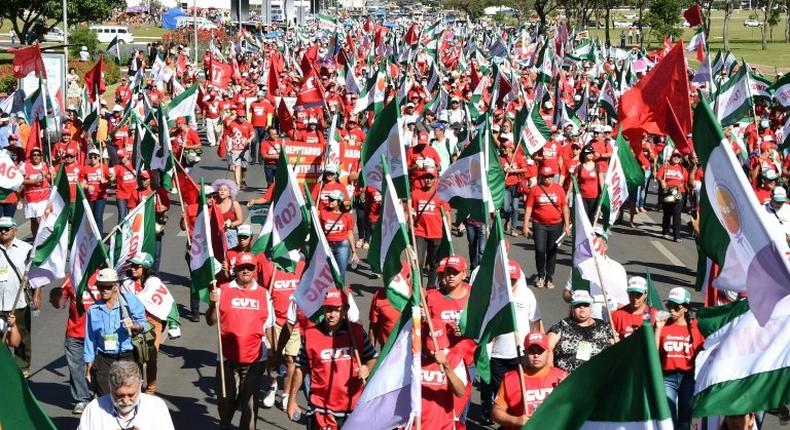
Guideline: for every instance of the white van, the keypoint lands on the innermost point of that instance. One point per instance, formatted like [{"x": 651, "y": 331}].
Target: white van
[{"x": 107, "y": 33}]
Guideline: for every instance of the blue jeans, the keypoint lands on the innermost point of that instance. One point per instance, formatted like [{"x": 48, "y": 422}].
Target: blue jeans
[
  {"x": 8, "y": 209},
  {"x": 510, "y": 207},
  {"x": 269, "y": 171},
  {"x": 80, "y": 391},
  {"x": 123, "y": 209},
  {"x": 679, "y": 387},
  {"x": 641, "y": 193},
  {"x": 342, "y": 252},
  {"x": 477, "y": 243},
  {"x": 97, "y": 207}
]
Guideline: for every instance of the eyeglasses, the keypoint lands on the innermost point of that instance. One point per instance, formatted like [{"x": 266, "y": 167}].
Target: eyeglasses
[
  {"x": 137, "y": 266},
  {"x": 5, "y": 229},
  {"x": 245, "y": 268},
  {"x": 93, "y": 156},
  {"x": 581, "y": 305},
  {"x": 673, "y": 306}
]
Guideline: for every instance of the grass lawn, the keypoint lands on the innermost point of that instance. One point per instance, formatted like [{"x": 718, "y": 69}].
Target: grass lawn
[
  {"x": 148, "y": 31},
  {"x": 744, "y": 42}
]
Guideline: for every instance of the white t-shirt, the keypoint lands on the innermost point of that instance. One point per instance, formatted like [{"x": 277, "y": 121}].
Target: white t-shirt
[
  {"x": 527, "y": 311},
  {"x": 782, "y": 215},
  {"x": 152, "y": 414}
]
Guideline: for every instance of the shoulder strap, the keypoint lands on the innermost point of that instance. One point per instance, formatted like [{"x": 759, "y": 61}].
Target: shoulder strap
[{"x": 552, "y": 201}]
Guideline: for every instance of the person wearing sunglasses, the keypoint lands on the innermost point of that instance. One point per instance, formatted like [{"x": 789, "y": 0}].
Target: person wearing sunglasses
[
  {"x": 579, "y": 337},
  {"x": 631, "y": 316},
  {"x": 13, "y": 259},
  {"x": 679, "y": 340},
  {"x": 95, "y": 180}
]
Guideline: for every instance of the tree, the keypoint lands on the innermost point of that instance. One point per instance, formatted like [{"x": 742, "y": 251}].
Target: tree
[
  {"x": 773, "y": 21},
  {"x": 31, "y": 19},
  {"x": 473, "y": 8},
  {"x": 764, "y": 29},
  {"x": 725, "y": 31},
  {"x": 663, "y": 16}
]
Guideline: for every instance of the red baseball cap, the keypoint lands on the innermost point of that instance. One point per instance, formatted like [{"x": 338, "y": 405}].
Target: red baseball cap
[
  {"x": 334, "y": 297},
  {"x": 452, "y": 262},
  {"x": 70, "y": 151},
  {"x": 547, "y": 171},
  {"x": 536, "y": 338},
  {"x": 514, "y": 269},
  {"x": 245, "y": 259},
  {"x": 240, "y": 112}
]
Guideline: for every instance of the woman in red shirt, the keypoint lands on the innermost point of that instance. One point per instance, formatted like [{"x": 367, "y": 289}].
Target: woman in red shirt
[
  {"x": 672, "y": 178},
  {"x": 514, "y": 165},
  {"x": 338, "y": 227},
  {"x": 590, "y": 180},
  {"x": 679, "y": 340},
  {"x": 125, "y": 177},
  {"x": 547, "y": 206}
]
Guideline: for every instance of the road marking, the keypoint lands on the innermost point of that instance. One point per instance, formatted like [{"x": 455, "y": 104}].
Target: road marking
[
  {"x": 667, "y": 253},
  {"x": 23, "y": 229}
]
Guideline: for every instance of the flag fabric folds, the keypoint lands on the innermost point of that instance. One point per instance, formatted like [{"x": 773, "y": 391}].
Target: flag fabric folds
[
  {"x": 384, "y": 140},
  {"x": 50, "y": 247},
  {"x": 203, "y": 266},
  {"x": 20, "y": 409},
  {"x": 87, "y": 253}
]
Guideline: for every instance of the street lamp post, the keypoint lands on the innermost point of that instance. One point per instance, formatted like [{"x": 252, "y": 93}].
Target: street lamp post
[{"x": 65, "y": 32}]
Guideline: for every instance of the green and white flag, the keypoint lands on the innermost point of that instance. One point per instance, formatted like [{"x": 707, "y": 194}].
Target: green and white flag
[
  {"x": 114, "y": 48},
  {"x": 746, "y": 241},
  {"x": 326, "y": 22},
  {"x": 609, "y": 98},
  {"x": 135, "y": 234},
  {"x": 759, "y": 86},
  {"x": 163, "y": 159},
  {"x": 183, "y": 105},
  {"x": 489, "y": 312},
  {"x": 594, "y": 396},
  {"x": 734, "y": 98},
  {"x": 287, "y": 224},
  {"x": 321, "y": 273},
  {"x": 372, "y": 96},
  {"x": 389, "y": 241},
  {"x": 696, "y": 40},
  {"x": 473, "y": 185},
  {"x": 51, "y": 245},
  {"x": 543, "y": 63},
  {"x": 743, "y": 367},
  {"x": 10, "y": 176},
  {"x": 384, "y": 140},
  {"x": 203, "y": 267},
  {"x": 535, "y": 132},
  {"x": 781, "y": 90},
  {"x": 87, "y": 249},
  {"x": 622, "y": 178},
  {"x": 147, "y": 150}
]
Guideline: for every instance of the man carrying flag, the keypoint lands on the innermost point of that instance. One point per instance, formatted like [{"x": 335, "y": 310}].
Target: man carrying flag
[{"x": 338, "y": 356}]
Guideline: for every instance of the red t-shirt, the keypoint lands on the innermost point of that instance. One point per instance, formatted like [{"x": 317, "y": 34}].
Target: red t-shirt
[
  {"x": 284, "y": 285},
  {"x": 603, "y": 148},
  {"x": 92, "y": 175},
  {"x": 547, "y": 203},
  {"x": 589, "y": 186},
  {"x": 39, "y": 192},
  {"x": 676, "y": 348},
  {"x": 416, "y": 156},
  {"x": 323, "y": 198},
  {"x": 763, "y": 195},
  {"x": 674, "y": 175},
  {"x": 336, "y": 225},
  {"x": 427, "y": 213},
  {"x": 437, "y": 398},
  {"x": 448, "y": 310},
  {"x": 551, "y": 154},
  {"x": 75, "y": 324},
  {"x": 372, "y": 204},
  {"x": 239, "y": 133},
  {"x": 261, "y": 112},
  {"x": 270, "y": 147},
  {"x": 516, "y": 163},
  {"x": 382, "y": 315},
  {"x": 244, "y": 314},
  {"x": 537, "y": 387},
  {"x": 625, "y": 322},
  {"x": 125, "y": 181},
  {"x": 72, "y": 172}
]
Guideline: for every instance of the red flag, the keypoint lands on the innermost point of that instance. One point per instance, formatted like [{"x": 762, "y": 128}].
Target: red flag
[
  {"x": 285, "y": 118},
  {"x": 643, "y": 107},
  {"x": 189, "y": 190},
  {"x": 475, "y": 76},
  {"x": 505, "y": 87},
  {"x": 368, "y": 27},
  {"x": 693, "y": 15},
  {"x": 700, "y": 52},
  {"x": 308, "y": 59},
  {"x": 28, "y": 60},
  {"x": 94, "y": 80},
  {"x": 34, "y": 139},
  {"x": 272, "y": 80},
  {"x": 311, "y": 94},
  {"x": 350, "y": 43},
  {"x": 675, "y": 131},
  {"x": 220, "y": 74},
  {"x": 411, "y": 36}
]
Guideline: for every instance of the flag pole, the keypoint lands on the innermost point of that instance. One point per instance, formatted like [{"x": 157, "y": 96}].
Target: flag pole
[
  {"x": 219, "y": 348},
  {"x": 600, "y": 276},
  {"x": 181, "y": 199},
  {"x": 520, "y": 358}
]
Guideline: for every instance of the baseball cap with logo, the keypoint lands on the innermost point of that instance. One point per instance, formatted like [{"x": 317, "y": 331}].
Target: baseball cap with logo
[
  {"x": 71, "y": 152},
  {"x": 244, "y": 230},
  {"x": 547, "y": 171},
  {"x": 452, "y": 262},
  {"x": 7, "y": 222},
  {"x": 534, "y": 338},
  {"x": 679, "y": 296},
  {"x": 769, "y": 174},
  {"x": 334, "y": 297},
  {"x": 581, "y": 297},
  {"x": 779, "y": 194},
  {"x": 514, "y": 269},
  {"x": 107, "y": 276},
  {"x": 245, "y": 259},
  {"x": 637, "y": 284},
  {"x": 143, "y": 259}
]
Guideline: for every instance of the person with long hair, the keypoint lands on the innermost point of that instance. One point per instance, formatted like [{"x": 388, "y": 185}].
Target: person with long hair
[
  {"x": 679, "y": 340},
  {"x": 232, "y": 216}
]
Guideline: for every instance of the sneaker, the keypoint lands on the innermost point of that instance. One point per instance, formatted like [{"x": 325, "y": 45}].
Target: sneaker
[
  {"x": 285, "y": 403},
  {"x": 667, "y": 237},
  {"x": 365, "y": 245},
  {"x": 268, "y": 400},
  {"x": 540, "y": 282},
  {"x": 79, "y": 408},
  {"x": 549, "y": 284}
]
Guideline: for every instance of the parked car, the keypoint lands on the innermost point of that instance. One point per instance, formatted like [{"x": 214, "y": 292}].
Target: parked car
[
  {"x": 54, "y": 35},
  {"x": 753, "y": 23}
]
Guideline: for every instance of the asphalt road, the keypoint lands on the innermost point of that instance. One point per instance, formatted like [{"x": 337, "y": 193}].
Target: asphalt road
[{"x": 187, "y": 365}]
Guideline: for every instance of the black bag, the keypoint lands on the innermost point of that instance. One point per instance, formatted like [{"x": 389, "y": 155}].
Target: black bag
[{"x": 143, "y": 342}]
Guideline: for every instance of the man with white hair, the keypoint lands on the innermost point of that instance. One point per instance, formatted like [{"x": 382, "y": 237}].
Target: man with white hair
[{"x": 126, "y": 407}]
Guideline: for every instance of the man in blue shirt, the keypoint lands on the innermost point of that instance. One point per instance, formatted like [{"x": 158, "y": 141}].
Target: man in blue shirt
[
  {"x": 6, "y": 130},
  {"x": 109, "y": 325}
]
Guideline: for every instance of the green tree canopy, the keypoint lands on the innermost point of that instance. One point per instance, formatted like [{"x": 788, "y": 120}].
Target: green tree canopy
[{"x": 40, "y": 16}]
